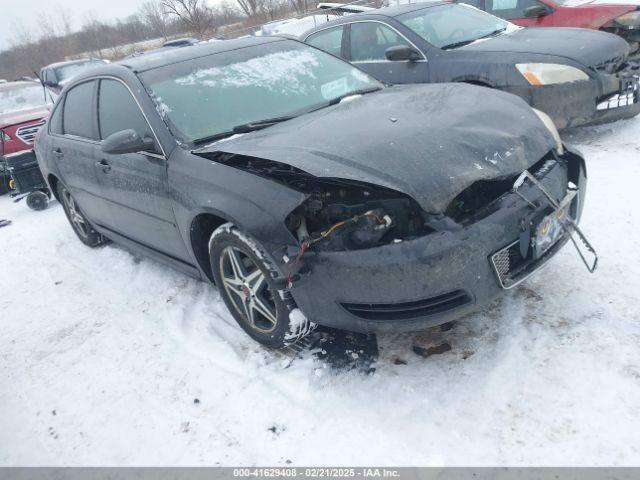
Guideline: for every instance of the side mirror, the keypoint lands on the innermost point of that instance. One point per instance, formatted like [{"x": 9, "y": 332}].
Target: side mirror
[
  {"x": 49, "y": 83},
  {"x": 402, "y": 53},
  {"x": 536, "y": 11},
  {"x": 126, "y": 141}
]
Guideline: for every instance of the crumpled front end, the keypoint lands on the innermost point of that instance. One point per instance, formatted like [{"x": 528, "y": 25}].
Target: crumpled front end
[
  {"x": 612, "y": 94},
  {"x": 438, "y": 274}
]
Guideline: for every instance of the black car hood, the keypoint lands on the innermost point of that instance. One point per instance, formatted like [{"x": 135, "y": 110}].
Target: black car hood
[
  {"x": 428, "y": 141},
  {"x": 591, "y": 48}
]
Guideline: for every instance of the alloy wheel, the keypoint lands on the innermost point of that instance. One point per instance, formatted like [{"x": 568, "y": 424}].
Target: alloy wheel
[
  {"x": 77, "y": 219},
  {"x": 248, "y": 290}
]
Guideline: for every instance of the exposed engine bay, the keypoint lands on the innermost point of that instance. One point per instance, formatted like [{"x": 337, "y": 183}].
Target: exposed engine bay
[
  {"x": 339, "y": 214},
  {"x": 352, "y": 217},
  {"x": 346, "y": 215}
]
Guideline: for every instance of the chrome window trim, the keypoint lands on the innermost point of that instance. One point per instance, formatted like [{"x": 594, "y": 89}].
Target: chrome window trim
[
  {"x": 400, "y": 34},
  {"x": 162, "y": 156}
]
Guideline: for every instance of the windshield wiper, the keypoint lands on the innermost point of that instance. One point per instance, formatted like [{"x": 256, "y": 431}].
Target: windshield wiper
[
  {"x": 260, "y": 124},
  {"x": 244, "y": 128},
  {"x": 212, "y": 138},
  {"x": 362, "y": 91},
  {"x": 467, "y": 42},
  {"x": 267, "y": 122}
]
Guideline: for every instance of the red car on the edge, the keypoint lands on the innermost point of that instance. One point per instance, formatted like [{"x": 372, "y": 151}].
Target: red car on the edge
[
  {"x": 622, "y": 19},
  {"x": 24, "y": 108}
]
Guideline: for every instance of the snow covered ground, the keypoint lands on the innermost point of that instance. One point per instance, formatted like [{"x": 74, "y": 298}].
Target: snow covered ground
[{"x": 103, "y": 355}]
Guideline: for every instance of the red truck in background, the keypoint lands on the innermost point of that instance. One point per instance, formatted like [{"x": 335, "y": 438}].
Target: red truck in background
[
  {"x": 24, "y": 108},
  {"x": 620, "y": 19}
]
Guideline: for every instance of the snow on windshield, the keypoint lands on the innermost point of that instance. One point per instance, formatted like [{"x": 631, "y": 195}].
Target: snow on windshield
[
  {"x": 206, "y": 98},
  {"x": 283, "y": 71}
]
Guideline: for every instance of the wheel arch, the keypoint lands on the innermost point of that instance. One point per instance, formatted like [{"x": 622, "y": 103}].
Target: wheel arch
[
  {"x": 53, "y": 181},
  {"x": 202, "y": 226}
]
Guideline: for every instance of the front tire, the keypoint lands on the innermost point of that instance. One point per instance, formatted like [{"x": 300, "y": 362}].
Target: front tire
[
  {"x": 247, "y": 280},
  {"x": 85, "y": 232}
]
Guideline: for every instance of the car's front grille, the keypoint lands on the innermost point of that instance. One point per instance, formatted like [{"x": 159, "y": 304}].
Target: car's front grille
[
  {"x": 416, "y": 309},
  {"x": 28, "y": 133},
  {"x": 512, "y": 268},
  {"x": 508, "y": 263},
  {"x": 629, "y": 95}
]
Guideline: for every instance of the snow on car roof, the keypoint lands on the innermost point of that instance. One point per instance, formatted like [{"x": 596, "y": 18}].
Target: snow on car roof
[{"x": 168, "y": 57}]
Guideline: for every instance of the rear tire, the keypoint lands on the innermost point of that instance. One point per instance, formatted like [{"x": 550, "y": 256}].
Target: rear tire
[
  {"x": 81, "y": 226},
  {"x": 248, "y": 282}
]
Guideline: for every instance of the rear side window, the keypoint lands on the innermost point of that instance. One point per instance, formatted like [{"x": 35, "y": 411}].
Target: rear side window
[
  {"x": 118, "y": 110},
  {"x": 55, "y": 123},
  {"x": 78, "y": 111},
  {"x": 329, "y": 40},
  {"x": 370, "y": 40}
]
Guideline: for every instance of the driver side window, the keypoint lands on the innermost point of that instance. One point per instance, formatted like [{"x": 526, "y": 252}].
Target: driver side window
[
  {"x": 510, "y": 9},
  {"x": 118, "y": 110},
  {"x": 370, "y": 41}
]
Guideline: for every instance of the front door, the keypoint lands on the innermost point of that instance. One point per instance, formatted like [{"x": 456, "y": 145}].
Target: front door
[
  {"x": 135, "y": 184},
  {"x": 367, "y": 45}
]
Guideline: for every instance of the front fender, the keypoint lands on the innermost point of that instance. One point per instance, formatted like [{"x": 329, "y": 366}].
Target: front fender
[{"x": 256, "y": 205}]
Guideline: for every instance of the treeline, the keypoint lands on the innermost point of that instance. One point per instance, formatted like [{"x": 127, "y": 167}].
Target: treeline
[{"x": 54, "y": 38}]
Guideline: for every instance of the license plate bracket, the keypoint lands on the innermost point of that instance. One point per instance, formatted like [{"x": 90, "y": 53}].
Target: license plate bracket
[{"x": 561, "y": 209}]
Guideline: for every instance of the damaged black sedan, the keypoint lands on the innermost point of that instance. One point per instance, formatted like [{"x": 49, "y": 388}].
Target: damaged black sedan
[
  {"x": 576, "y": 76},
  {"x": 308, "y": 192}
]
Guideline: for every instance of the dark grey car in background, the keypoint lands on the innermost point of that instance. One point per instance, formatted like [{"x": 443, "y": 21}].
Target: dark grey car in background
[
  {"x": 57, "y": 75},
  {"x": 576, "y": 76},
  {"x": 307, "y": 191}
]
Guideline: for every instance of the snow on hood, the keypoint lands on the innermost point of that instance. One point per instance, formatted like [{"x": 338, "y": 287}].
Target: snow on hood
[
  {"x": 588, "y": 47},
  {"x": 424, "y": 140}
]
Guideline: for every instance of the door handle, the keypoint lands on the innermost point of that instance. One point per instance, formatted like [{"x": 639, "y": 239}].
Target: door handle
[
  {"x": 58, "y": 153},
  {"x": 104, "y": 165}
]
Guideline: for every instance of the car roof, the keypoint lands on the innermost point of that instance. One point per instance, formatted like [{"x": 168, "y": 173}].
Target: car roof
[
  {"x": 391, "y": 12},
  {"x": 72, "y": 62},
  {"x": 165, "y": 57},
  {"x": 396, "y": 10},
  {"x": 18, "y": 84}
]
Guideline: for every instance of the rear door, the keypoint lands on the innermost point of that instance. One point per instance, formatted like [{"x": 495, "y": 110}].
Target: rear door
[
  {"x": 368, "y": 42},
  {"x": 135, "y": 184},
  {"x": 74, "y": 143}
]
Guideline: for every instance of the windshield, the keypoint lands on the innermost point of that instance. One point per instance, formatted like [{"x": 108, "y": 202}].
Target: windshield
[
  {"x": 449, "y": 26},
  {"x": 67, "y": 72},
  {"x": 22, "y": 98},
  {"x": 209, "y": 96}
]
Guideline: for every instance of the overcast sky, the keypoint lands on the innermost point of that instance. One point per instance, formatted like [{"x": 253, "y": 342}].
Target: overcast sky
[{"x": 12, "y": 12}]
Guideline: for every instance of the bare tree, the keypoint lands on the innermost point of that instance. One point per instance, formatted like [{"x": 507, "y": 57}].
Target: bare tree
[
  {"x": 251, "y": 8},
  {"x": 300, "y": 6},
  {"x": 156, "y": 17},
  {"x": 197, "y": 17}
]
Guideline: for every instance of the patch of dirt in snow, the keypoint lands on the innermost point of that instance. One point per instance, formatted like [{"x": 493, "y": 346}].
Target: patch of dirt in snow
[{"x": 119, "y": 349}]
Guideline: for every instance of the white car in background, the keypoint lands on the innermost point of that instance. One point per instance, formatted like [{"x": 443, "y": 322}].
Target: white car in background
[{"x": 294, "y": 27}]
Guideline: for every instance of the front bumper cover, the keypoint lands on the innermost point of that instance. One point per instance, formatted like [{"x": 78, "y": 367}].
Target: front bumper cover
[
  {"x": 605, "y": 98},
  {"x": 416, "y": 284}
]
